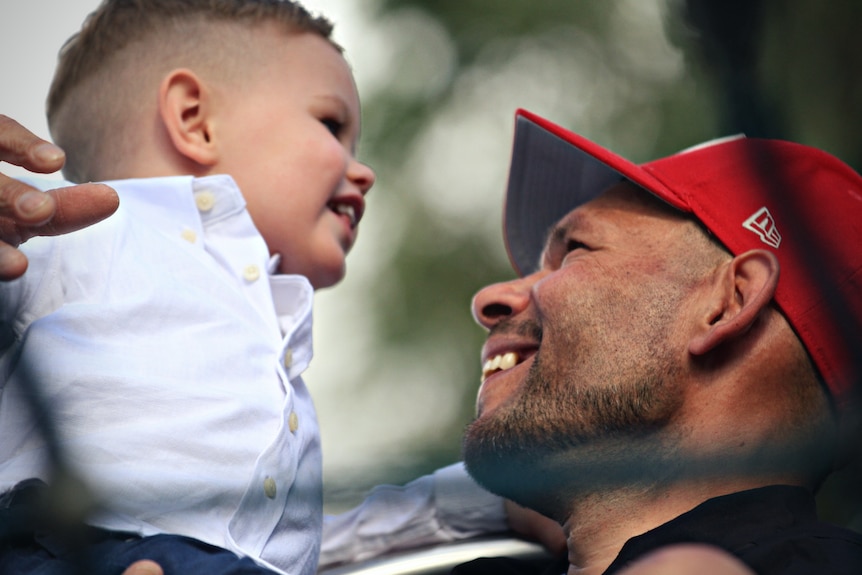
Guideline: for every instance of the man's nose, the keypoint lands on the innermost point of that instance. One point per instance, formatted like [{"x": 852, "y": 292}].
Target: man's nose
[{"x": 497, "y": 302}]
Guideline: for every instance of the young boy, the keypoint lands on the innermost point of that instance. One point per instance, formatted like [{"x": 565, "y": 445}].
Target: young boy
[{"x": 170, "y": 339}]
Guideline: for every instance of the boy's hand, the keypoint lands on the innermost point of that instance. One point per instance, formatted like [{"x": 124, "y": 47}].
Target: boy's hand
[{"x": 26, "y": 212}]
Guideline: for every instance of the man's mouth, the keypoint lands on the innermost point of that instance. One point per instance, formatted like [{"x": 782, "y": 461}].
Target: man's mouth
[{"x": 499, "y": 363}]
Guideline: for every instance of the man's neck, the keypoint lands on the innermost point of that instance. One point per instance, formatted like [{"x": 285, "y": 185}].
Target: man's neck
[{"x": 600, "y": 524}]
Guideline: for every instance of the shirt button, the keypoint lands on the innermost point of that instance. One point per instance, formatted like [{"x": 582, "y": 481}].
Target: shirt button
[
  {"x": 269, "y": 487},
  {"x": 293, "y": 422},
  {"x": 205, "y": 201},
  {"x": 189, "y": 235},
  {"x": 288, "y": 358},
  {"x": 251, "y": 273}
]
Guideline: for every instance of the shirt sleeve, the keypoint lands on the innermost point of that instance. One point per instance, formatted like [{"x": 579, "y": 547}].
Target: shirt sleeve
[
  {"x": 16, "y": 295},
  {"x": 10, "y": 296},
  {"x": 445, "y": 506},
  {"x": 25, "y": 299}
]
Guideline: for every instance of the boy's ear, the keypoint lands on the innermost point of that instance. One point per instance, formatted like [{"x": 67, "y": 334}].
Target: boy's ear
[
  {"x": 741, "y": 290},
  {"x": 185, "y": 106}
]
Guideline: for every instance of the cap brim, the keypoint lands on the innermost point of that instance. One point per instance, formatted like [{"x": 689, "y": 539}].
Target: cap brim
[{"x": 552, "y": 172}]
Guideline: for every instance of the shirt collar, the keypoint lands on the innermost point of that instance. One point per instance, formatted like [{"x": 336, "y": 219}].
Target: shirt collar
[{"x": 165, "y": 200}]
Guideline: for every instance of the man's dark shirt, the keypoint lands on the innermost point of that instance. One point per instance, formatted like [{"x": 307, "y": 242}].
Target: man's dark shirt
[{"x": 774, "y": 530}]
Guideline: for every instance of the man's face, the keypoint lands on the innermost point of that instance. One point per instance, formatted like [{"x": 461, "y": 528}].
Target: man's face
[{"x": 597, "y": 340}]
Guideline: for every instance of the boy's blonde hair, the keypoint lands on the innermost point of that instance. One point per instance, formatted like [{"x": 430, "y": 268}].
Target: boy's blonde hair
[{"x": 125, "y": 46}]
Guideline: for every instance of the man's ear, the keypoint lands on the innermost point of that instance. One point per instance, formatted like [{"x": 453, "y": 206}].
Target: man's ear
[
  {"x": 742, "y": 289},
  {"x": 185, "y": 107}
]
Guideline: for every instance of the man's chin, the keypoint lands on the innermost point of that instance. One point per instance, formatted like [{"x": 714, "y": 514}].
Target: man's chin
[
  {"x": 501, "y": 466},
  {"x": 544, "y": 472},
  {"x": 517, "y": 480}
]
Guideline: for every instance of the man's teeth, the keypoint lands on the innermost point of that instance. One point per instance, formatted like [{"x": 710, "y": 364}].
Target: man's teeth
[
  {"x": 346, "y": 210},
  {"x": 499, "y": 363}
]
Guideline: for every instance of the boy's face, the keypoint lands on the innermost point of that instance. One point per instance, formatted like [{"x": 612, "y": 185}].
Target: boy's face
[{"x": 288, "y": 139}]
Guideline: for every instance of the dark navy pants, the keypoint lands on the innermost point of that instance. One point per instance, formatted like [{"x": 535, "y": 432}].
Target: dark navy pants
[{"x": 29, "y": 549}]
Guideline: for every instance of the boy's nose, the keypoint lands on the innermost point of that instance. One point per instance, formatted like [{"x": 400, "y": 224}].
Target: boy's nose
[{"x": 361, "y": 175}]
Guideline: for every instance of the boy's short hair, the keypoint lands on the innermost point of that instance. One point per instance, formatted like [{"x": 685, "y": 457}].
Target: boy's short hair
[{"x": 100, "y": 68}]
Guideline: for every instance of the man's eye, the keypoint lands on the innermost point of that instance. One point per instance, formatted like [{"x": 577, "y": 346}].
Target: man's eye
[
  {"x": 573, "y": 245},
  {"x": 334, "y": 126}
]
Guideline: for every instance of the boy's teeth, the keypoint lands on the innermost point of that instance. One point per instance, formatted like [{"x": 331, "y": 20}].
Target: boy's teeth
[
  {"x": 346, "y": 210},
  {"x": 499, "y": 363}
]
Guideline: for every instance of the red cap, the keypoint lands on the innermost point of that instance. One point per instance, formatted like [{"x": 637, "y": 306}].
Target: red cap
[{"x": 800, "y": 203}]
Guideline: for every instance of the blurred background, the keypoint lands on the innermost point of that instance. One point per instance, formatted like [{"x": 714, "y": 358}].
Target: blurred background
[{"x": 397, "y": 353}]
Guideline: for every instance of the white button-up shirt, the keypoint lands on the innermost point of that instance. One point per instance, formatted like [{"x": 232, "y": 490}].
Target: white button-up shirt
[{"x": 173, "y": 363}]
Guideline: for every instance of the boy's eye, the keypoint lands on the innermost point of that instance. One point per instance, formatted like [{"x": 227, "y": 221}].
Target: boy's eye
[{"x": 334, "y": 126}]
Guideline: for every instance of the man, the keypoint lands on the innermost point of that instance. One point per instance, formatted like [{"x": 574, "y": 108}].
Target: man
[
  {"x": 676, "y": 362},
  {"x": 26, "y": 212}
]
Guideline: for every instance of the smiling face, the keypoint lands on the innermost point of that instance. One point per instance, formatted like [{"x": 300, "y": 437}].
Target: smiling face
[
  {"x": 289, "y": 138},
  {"x": 590, "y": 347}
]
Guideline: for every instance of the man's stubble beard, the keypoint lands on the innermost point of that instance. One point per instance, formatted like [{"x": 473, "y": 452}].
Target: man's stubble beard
[{"x": 561, "y": 438}]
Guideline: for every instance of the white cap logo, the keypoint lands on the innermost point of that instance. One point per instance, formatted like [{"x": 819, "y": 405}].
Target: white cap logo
[{"x": 762, "y": 224}]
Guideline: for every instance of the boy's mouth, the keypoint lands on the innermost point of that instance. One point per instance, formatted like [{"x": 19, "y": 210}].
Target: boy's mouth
[
  {"x": 349, "y": 207},
  {"x": 345, "y": 210}
]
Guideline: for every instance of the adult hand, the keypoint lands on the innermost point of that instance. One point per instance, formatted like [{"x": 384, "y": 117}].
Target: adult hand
[
  {"x": 145, "y": 567},
  {"x": 26, "y": 212},
  {"x": 536, "y": 527},
  {"x": 688, "y": 559}
]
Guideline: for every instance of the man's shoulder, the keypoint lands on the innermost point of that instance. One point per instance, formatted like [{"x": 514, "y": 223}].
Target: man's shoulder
[
  {"x": 774, "y": 529},
  {"x": 818, "y": 547}
]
